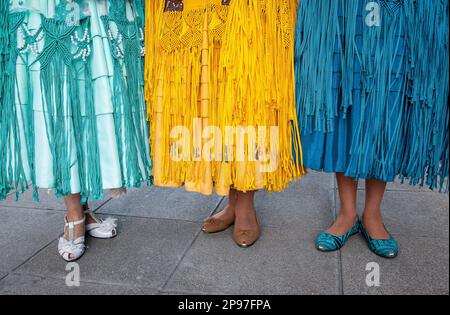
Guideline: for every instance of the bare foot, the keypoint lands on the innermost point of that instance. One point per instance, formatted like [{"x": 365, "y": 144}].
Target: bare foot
[
  {"x": 342, "y": 225},
  {"x": 374, "y": 225}
]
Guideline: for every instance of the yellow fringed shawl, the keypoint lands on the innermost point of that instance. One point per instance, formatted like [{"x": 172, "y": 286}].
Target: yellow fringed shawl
[{"x": 215, "y": 65}]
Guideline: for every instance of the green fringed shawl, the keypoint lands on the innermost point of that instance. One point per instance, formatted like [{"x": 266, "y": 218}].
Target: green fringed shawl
[
  {"x": 60, "y": 69},
  {"x": 4, "y": 54},
  {"x": 127, "y": 45},
  {"x": 12, "y": 168},
  {"x": 71, "y": 124},
  {"x": 4, "y": 10}
]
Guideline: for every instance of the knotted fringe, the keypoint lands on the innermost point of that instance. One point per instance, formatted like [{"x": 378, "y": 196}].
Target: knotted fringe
[
  {"x": 128, "y": 98},
  {"x": 317, "y": 41},
  {"x": 222, "y": 66},
  {"x": 427, "y": 114},
  {"x": 392, "y": 80},
  {"x": 71, "y": 127},
  {"x": 4, "y": 40},
  {"x": 153, "y": 25},
  {"x": 12, "y": 166},
  {"x": 4, "y": 55},
  {"x": 377, "y": 145},
  {"x": 256, "y": 68},
  {"x": 66, "y": 105}
]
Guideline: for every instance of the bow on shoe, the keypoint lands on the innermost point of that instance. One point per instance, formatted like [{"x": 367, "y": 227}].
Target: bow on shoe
[{"x": 102, "y": 228}]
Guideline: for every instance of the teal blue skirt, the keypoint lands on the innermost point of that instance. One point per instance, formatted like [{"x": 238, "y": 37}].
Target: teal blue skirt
[
  {"x": 73, "y": 116},
  {"x": 364, "y": 107}
]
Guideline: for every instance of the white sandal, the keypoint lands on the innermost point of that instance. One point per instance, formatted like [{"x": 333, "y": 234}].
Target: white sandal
[
  {"x": 72, "y": 249},
  {"x": 103, "y": 229}
]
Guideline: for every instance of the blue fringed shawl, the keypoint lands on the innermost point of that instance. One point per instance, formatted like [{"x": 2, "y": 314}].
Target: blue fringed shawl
[{"x": 417, "y": 147}]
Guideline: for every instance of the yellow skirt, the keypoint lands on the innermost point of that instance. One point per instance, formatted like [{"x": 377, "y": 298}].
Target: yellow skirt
[{"x": 221, "y": 94}]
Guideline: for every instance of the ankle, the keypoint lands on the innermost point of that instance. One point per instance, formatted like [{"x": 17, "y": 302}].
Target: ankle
[
  {"x": 245, "y": 212},
  {"x": 229, "y": 209},
  {"x": 72, "y": 217},
  {"x": 372, "y": 216},
  {"x": 347, "y": 216}
]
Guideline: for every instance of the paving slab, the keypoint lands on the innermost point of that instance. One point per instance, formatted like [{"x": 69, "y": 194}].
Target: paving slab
[
  {"x": 3, "y": 274},
  {"x": 421, "y": 268},
  {"x": 405, "y": 186},
  {"x": 414, "y": 214},
  {"x": 23, "y": 232},
  {"x": 308, "y": 203},
  {"x": 163, "y": 203},
  {"x": 17, "y": 284},
  {"x": 284, "y": 261},
  {"x": 145, "y": 253},
  {"x": 398, "y": 185}
]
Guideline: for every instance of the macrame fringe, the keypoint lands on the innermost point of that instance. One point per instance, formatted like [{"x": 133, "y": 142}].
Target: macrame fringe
[
  {"x": 401, "y": 109},
  {"x": 225, "y": 66},
  {"x": 4, "y": 55},
  {"x": 128, "y": 100},
  {"x": 427, "y": 114},
  {"x": 315, "y": 46},
  {"x": 69, "y": 126},
  {"x": 12, "y": 168},
  {"x": 66, "y": 91}
]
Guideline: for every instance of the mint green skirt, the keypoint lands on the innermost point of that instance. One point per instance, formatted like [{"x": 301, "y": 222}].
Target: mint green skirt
[{"x": 73, "y": 116}]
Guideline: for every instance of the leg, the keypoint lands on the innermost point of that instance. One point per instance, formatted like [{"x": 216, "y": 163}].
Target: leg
[
  {"x": 71, "y": 245},
  {"x": 225, "y": 218},
  {"x": 246, "y": 229},
  {"x": 89, "y": 218},
  {"x": 373, "y": 219},
  {"x": 75, "y": 212},
  {"x": 245, "y": 211},
  {"x": 346, "y": 218}
]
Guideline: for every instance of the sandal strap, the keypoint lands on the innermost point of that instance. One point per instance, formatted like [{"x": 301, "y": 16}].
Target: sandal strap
[
  {"x": 92, "y": 215},
  {"x": 75, "y": 222},
  {"x": 71, "y": 226}
]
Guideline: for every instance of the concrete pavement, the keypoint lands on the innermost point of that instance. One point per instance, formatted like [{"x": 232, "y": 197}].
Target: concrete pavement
[{"x": 161, "y": 250}]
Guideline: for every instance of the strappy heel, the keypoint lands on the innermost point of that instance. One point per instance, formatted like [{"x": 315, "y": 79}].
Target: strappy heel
[{"x": 72, "y": 249}]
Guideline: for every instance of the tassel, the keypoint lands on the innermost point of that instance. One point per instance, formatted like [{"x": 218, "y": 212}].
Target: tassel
[
  {"x": 427, "y": 116},
  {"x": 52, "y": 71},
  {"x": 222, "y": 66},
  {"x": 128, "y": 97},
  {"x": 12, "y": 164},
  {"x": 388, "y": 99},
  {"x": 4, "y": 55}
]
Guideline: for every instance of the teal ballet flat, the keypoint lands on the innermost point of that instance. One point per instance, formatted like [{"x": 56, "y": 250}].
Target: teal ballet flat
[
  {"x": 383, "y": 248},
  {"x": 328, "y": 243}
]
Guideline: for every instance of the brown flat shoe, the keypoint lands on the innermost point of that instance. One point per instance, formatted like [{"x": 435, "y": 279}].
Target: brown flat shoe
[
  {"x": 213, "y": 225},
  {"x": 246, "y": 238}
]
